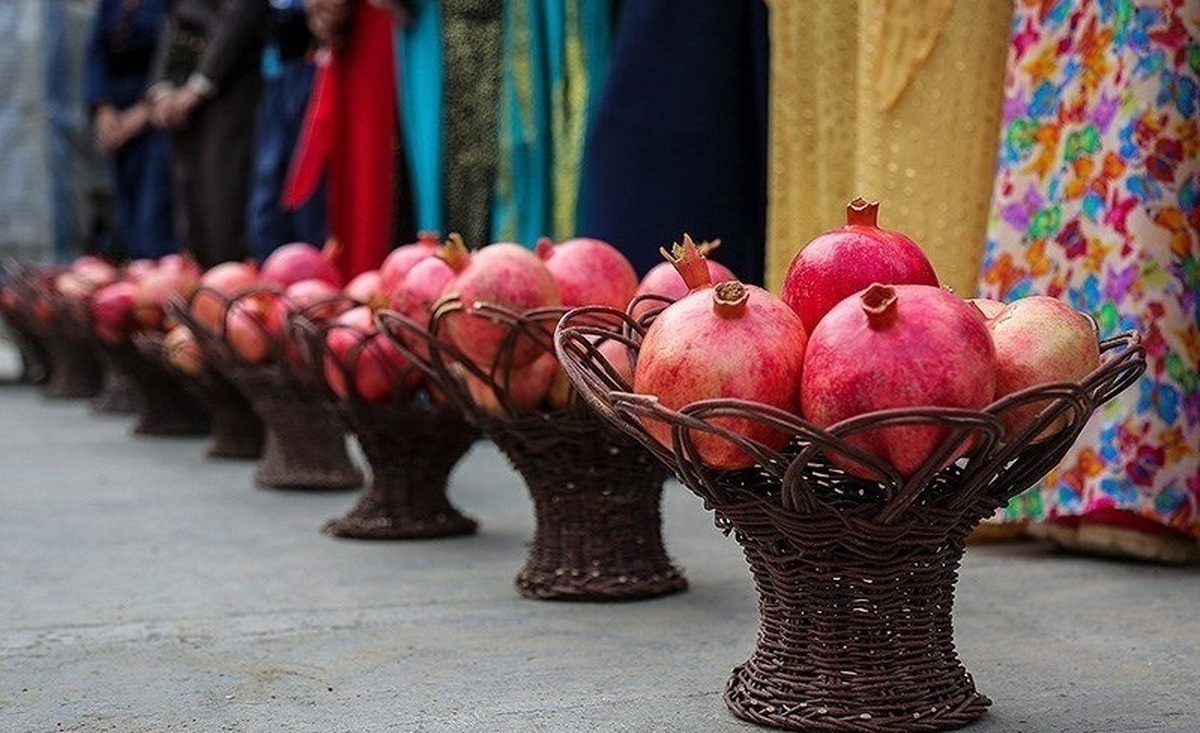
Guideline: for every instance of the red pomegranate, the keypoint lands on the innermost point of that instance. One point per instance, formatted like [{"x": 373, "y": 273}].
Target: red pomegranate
[
  {"x": 526, "y": 387},
  {"x": 375, "y": 363},
  {"x": 217, "y": 286},
  {"x": 402, "y": 259},
  {"x": 315, "y": 299},
  {"x": 253, "y": 324},
  {"x": 589, "y": 272},
  {"x": 897, "y": 346},
  {"x": 157, "y": 287},
  {"x": 664, "y": 279},
  {"x": 843, "y": 261},
  {"x": 112, "y": 311},
  {"x": 728, "y": 341},
  {"x": 367, "y": 290},
  {"x": 183, "y": 352},
  {"x": 298, "y": 261},
  {"x": 1039, "y": 340},
  {"x": 95, "y": 271},
  {"x": 506, "y": 275},
  {"x": 137, "y": 269},
  {"x": 613, "y": 352}
]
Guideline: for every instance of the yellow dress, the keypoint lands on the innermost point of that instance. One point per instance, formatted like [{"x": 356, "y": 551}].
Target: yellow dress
[{"x": 894, "y": 100}]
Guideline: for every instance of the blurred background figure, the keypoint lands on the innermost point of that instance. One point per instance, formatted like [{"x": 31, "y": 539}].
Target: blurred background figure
[
  {"x": 205, "y": 89},
  {"x": 287, "y": 69},
  {"x": 119, "y": 56}
]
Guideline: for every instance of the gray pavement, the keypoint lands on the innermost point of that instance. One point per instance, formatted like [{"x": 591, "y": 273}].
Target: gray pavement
[{"x": 145, "y": 588}]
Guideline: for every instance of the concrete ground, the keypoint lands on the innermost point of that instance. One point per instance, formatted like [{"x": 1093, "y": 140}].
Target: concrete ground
[{"x": 145, "y": 588}]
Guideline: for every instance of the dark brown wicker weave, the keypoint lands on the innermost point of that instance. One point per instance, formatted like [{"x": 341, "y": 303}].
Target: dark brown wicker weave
[
  {"x": 411, "y": 445},
  {"x": 237, "y": 432},
  {"x": 305, "y": 446},
  {"x": 164, "y": 408},
  {"x": 855, "y": 577},
  {"x": 596, "y": 493},
  {"x": 116, "y": 395},
  {"x": 26, "y": 337}
]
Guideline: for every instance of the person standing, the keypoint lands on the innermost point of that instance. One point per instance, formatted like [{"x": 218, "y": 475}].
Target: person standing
[
  {"x": 205, "y": 89},
  {"x": 287, "y": 69},
  {"x": 119, "y": 55}
]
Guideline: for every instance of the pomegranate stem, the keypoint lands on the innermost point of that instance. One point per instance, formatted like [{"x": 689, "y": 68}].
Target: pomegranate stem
[{"x": 862, "y": 213}]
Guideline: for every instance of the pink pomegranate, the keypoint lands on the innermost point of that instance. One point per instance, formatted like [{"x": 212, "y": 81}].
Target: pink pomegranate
[
  {"x": 183, "y": 262},
  {"x": 376, "y": 364},
  {"x": 156, "y": 288},
  {"x": 665, "y": 281},
  {"x": 183, "y": 352},
  {"x": 424, "y": 284},
  {"x": 526, "y": 387},
  {"x": 112, "y": 311},
  {"x": 217, "y": 286},
  {"x": 298, "y": 261},
  {"x": 727, "y": 341},
  {"x": 843, "y": 261},
  {"x": 589, "y": 272},
  {"x": 253, "y": 324},
  {"x": 400, "y": 260},
  {"x": 366, "y": 289},
  {"x": 315, "y": 299},
  {"x": 617, "y": 357},
  {"x": 95, "y": 271},
  {"x": 137, "y": 269},
  {"x": 1039, "y": 340},
  {"x": 988, "y": 307},
  {"x": 506, "y": 275},
  {"x": 897, "y": 346}
]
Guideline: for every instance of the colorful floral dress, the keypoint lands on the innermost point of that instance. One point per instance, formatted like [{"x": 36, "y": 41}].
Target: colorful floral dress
[{"x": 1097, "y": 201}]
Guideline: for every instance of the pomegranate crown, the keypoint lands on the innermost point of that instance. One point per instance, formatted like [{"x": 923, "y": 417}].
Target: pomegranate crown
[
  {"x": 863, "y": 213},
  {"x": 454, "y": 252},
  {"x": 879, "y": 303},
  {"x": 544, "y": 248},
  {"x": 689, "y": 262},
  {"x": 729, "y": 299}
]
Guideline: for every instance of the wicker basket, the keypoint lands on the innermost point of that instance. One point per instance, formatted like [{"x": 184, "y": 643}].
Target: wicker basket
[
  {"x": 28, "y": 340},
  {"x": 596, "y": 493},
  {"x": 305, "y": 444},
  {"x": 75, "y": 369},
  {"x": 164, "y": 408},
  {"x": 237, "y": 432},
  {"x": 855, "y": 578},
  {"x": 411, "y": 444},
  {"x": 117, "y": 395}
]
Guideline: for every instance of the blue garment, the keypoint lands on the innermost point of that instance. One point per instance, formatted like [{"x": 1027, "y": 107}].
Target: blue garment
[
  {"x": 419, "y": 51},
  {"x": 288, "y": 74},
  {"x": 118, "y": 65},
  {"x": 678, "y": 142}
]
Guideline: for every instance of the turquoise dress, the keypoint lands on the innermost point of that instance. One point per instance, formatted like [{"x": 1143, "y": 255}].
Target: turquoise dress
[{"x": 419, "y": 58}]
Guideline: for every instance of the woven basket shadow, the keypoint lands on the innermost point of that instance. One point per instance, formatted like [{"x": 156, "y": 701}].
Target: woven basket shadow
[
  {"x": 596, "y": 493},
  {"x": 855, "y": 577},
  {"x": 305, "y": 443},
  {"x": 410, "y": 444},
  {"x": 236, "y": 431}
]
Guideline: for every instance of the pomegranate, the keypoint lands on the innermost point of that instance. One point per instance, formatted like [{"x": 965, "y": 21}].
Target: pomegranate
[
  {"x": 424, "y": 284},
  {"x": 217, "y": 286},
  {"x": 74, "y": 287},
  {"x": 664, "y": 279},
  {"x": 374, "y": 361},
  {"x": 844, "y": 261},
  {"x": 183, "y": 352},
  {"x": 298, "y": 261},
  {"x": 253, "y": 324},
  {"x": 402, "y": 259},
  {"x": 112, "y": 311},
  {"x": 897, "y": 346},
  {"x": 526, "y": 387},
  {"x": 366, "y": 289},
  {"x": 179, "y": 263},
  {"x": 506, "y": 275},
  {"x": 589, "y": 272},
  {"x": 95, "y": 271},
  {"x": 727, "y": 341},
  {"x": 137, "y": 269},
  {"x": 156, "y": 287},
  {"x": 315, "y": 299},
  {"x": 1039, "y": 340},
  {"x": 613, "y": 352}
]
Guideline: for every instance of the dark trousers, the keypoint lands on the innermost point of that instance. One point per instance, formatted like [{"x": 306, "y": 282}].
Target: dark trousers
[
  {"x": 280, "y": 117},
  {"x": 213, "y": 155},
  {"x": 142, "y": 196}
]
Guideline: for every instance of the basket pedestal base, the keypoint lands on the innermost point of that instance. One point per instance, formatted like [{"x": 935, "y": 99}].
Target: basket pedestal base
[
  {"x": 598, "y": 528},
  {"x": 164, "y": 408},
  {"x": 237, "y": 432},
  {"x": 117, "y": 395},
  {"x": 411, "y": 451},
  {"x": 854, "y": 639},
  {"x": 305, "y": 447},
  {"x": 75, "y": 370}
]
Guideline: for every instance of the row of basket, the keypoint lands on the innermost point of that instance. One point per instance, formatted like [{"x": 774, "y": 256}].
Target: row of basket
[{"x": 855, "y": 578}]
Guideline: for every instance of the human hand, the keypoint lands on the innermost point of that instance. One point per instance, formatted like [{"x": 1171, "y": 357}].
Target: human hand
[
  {"x": 107, "y": 128},
  {"x": 158, "y": 106},
  {"x": 132, "y": 121},
  {"x": 327, "y": 19},
  {"x": 178, "y": 107}
]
